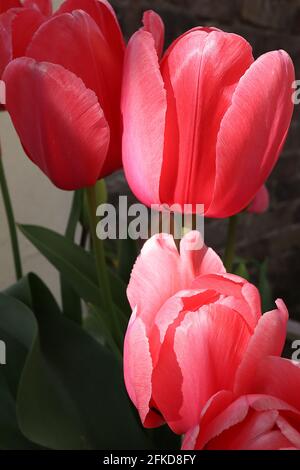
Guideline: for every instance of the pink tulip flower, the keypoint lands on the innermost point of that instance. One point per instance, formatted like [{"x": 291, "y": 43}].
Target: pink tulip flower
[
  {"x": 265, "y": 417},
  {"x": 261, "y": 202},
  {"x": 194, "y": 331},
  {"x": 64, "y": 96},
  {"x": 206, "y": 123}
]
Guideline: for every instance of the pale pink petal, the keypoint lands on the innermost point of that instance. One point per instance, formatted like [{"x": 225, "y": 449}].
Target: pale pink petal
[
  {"x": 138, "y": 370},
  {"x": 208, "y": 345},
  {"x": 268, "y": 340}
]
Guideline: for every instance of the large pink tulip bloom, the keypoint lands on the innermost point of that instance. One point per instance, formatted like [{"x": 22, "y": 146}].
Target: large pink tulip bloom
[
  {"x": 265, "y": 417},
  {"x": 192, "y": 328},
  {"x": 64, "y": 96},
  {"x": 206, "y": 123}
]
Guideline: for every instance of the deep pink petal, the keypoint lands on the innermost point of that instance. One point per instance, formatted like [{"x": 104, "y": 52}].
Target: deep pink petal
[
  {"x": 237, "y": 294},
  {"x": 268, "y": 340},
  {"x": 17, "y": 27},
  {"x": 261, "y": 201},
  {"x": 7, "y": 4},
  {"x": 252, "y": 132},
  {"x": 59, "y": 122},
  {"x": 44, "y": 6},
  {"x": 154, "y": 25},
  {"x": 199, "y": 88},
  {"x": 144, "y": 112},
  {"x": 277, "y": 377},
  {"x": 91, "y": 60},
  {"x": 103, "y": 14}
]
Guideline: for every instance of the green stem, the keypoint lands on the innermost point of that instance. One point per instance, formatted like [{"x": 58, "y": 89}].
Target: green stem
[
  {"x": 11, "y": 221},
  {"x": 230, "y": 244},
  {"x": 102, "y": 273}
]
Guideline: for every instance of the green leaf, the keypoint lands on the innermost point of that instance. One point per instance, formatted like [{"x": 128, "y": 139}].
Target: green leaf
[
  {"x": 265, "y": 288},
  {"x": 11, "y": 437},
  {"x": 73, "y": 262},
  {"x": 20, "y": 291},
  {"x": 17, "y": 330},
  {"x": 72, "y": 394},
  {"x": 71, "y": 302},
  {"x": 78, "y": 267}
]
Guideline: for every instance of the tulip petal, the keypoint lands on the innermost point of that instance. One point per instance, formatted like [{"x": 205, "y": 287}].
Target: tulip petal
[
  {"x": 7, "y": 4},
  {"x": 154, "y": 25},
  {"x": 236, "y": 293},
  {"x": 155, "y": 276},
  {"x": 289, "y": 431},
  {"x": 197, "y": 371},
  {"x": 103, "y": 14},
  {"x": 59, "y": 122},
  {"x": 44, "y": 6},
  {"x": 261, "y": 201},
  {"x": 5, "y": 44},
  {"x": 199, "y": 89},
  {"x": 268, "y": 340},
  {"x": 197, "y": 258},
  {"x": 144, "y": 112},
  {"x": 138, "y": 371},
  {"x": 91, "y": 60},
  {"x": 252, "y": 132},
  {"x": 160, "y": 272},
  {"x": 277, "y": 377},
  {"x": 17, "y": 27}
]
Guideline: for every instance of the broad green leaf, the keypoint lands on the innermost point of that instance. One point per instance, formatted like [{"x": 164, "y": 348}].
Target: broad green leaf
[
  {"x": 73, "y": 262},
  {"x": 11, "y": 437},
  {"x": 72, "y": 394},
  {"x": 20, "y": 291},
  {"x": 17, "y": 330},
  {"x": 77, "y": 266}
]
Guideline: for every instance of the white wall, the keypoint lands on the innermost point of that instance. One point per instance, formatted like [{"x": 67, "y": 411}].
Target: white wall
[{"x": 35, "y": 201}]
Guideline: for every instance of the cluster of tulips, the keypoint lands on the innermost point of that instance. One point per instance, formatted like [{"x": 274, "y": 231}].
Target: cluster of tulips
[{"x": 201, "y": 123}]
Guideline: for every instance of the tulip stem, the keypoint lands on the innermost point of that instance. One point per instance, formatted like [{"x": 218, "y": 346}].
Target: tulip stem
[
  {"x": 230, "y": 244},
  {"x": 11, "y": 221},
  {"x": 102, "y": 272}
]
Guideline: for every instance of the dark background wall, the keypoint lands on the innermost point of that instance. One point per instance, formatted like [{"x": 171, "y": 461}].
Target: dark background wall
[{"x": 267, "y": 25}]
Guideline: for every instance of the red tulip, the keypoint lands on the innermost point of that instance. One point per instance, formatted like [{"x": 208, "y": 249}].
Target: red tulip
[
  {"x": 261, "y": 201},
  {"x": 195, "y": 330},
  {"x": 64, "y": 98},
  {"x": 17, "y": 26},
  {"x": 265, "y": 418},
  {"x": 205, "y": 124}
]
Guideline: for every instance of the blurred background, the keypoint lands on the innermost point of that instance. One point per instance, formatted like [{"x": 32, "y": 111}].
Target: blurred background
[{"x": 274, "y": 236}]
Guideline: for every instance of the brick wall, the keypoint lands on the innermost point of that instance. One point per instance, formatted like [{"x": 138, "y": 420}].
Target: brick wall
[{"x": 268, "y": 25}]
